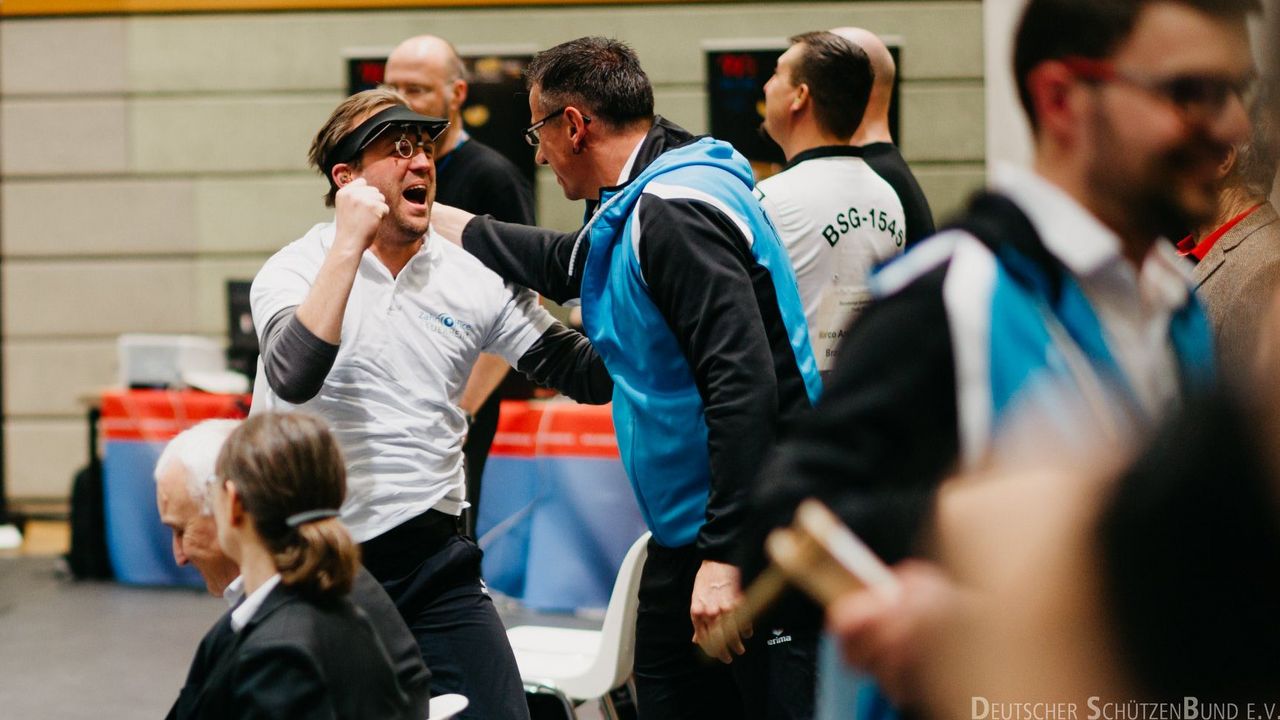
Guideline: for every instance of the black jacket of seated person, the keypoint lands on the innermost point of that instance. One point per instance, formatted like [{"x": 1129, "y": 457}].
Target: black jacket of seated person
[{"x": 296, "y": 658}]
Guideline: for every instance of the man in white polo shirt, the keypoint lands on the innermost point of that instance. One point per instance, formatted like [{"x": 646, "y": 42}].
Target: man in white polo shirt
[
  {"x": 837, "y": 218},
  {"x": 374, "y": 323}
]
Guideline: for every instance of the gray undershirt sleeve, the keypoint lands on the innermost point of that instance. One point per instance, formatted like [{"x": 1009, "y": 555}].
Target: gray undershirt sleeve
[{"x": 295, "y": 361}]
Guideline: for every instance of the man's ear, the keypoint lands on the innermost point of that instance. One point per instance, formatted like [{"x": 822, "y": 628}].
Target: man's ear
[
  {"x": 342, "y": 174},
  {"x": 1228, "y": 162},
  {"x": 459, "y": 95},
  {"x": 1056, "y": 99},
  {"x": 802, "y": 98},
  {"x": 575, "y": 124}
]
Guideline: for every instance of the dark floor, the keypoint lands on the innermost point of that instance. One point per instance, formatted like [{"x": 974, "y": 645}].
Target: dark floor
[{"x": 72, "y": 650}]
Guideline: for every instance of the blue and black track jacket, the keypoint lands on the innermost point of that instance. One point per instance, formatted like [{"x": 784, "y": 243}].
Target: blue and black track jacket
[{"x": 689, "y": 298}]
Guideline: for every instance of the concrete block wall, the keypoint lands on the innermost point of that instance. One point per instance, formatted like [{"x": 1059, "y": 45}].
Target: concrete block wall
[{"x": 146, "y": 159}]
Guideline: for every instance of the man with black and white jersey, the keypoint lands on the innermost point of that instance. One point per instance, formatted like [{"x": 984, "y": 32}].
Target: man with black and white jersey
[
  {"x": 373, "y": 323},
  {"x": 837, "y": 218}
]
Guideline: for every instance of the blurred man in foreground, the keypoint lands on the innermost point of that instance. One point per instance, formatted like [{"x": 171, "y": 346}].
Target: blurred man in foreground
[{"x": 1057, "y": 298}]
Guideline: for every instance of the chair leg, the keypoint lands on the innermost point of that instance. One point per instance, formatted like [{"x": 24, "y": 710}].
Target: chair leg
[
  {"x": 535, "y": 688},
  {"x": 620, "y": 703}
]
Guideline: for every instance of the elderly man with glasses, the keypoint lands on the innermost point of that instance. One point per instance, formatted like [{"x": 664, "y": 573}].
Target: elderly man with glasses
[{"x": 373, "y": 323}]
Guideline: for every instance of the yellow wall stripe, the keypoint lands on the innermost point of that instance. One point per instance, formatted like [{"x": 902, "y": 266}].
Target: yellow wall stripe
[{"x": 31, "y": 8}]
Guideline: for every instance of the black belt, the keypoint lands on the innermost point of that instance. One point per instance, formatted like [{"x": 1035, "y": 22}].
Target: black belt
[{"x": 398, "y": 551}]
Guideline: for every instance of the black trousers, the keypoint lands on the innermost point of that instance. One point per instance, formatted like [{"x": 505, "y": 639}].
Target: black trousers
[
  {"x": 432, "y": 573},
  {"x": 674, "y": 679}
]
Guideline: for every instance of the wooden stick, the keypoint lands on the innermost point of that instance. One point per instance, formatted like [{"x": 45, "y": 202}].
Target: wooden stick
[{"x": 818, "y": 554}]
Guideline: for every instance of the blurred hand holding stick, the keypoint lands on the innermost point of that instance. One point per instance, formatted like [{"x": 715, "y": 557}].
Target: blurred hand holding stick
[{"x": 819, "y": 555}]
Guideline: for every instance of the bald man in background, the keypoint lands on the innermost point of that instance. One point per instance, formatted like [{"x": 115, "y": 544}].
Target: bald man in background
[
  {"x": 470, "y": 175},
  {"x": 876, "y": 141}
]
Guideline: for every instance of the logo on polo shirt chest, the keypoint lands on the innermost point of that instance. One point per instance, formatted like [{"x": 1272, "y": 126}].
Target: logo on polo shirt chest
[{"x": 445, "y": 324}]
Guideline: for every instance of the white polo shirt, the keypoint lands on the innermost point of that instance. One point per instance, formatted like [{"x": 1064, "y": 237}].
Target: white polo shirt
[
  {"x": 839, "y": 220},
  {"x": 408, "y": 345}
]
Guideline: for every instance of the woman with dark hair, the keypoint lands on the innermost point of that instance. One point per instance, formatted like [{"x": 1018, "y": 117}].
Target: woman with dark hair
[{"x": 299, "y": 648}]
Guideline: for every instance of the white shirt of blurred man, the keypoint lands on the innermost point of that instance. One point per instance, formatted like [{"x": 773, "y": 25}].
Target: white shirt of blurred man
[{"x": 837, "y": 218}]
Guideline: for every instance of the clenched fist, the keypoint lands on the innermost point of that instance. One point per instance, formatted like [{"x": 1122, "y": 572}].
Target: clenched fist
[{"x": 360, "y": 208}]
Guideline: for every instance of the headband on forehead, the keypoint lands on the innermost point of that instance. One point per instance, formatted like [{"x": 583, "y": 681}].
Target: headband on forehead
[{"x": 366, "y": 132}]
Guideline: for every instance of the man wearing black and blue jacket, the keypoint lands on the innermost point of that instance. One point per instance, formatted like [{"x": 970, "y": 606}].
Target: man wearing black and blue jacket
[{"x": 689, "y": 297}]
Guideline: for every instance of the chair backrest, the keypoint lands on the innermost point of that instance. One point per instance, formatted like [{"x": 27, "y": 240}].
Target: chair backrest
[
  {"x": 618, "y": 635},
  {"x": 443, "y": 707}
]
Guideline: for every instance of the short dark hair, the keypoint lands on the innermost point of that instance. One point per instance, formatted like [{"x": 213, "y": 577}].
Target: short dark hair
[
  {"x": 602, "y": 74},
  {"x": 1055, "y": 29},
  {"x": 839, "y": 77}
]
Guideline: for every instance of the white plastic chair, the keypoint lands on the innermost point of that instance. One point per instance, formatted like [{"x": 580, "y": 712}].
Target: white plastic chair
[
  {"x": 443, "y": 707},
  {"x": 584, "y": 665}
]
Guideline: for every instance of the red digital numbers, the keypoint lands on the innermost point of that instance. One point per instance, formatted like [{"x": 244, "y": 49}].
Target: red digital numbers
[
  {"x": 371, "y": 72},
  {"x": 737, "y": 66}
]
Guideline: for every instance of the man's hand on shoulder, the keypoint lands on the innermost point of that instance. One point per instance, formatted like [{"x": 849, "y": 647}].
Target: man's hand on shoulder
[
  {"x": 360, "y": 209},
  {"x": 449, "y": 222}
]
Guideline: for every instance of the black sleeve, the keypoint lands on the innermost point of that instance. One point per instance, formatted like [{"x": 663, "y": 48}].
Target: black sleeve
[
  {"x": 565, "y": 360},
  {"x": 531, "y": 257},
  {"x": 295, "y": 361},
  {"x": 697, "y": 266},
  {"x": 918, "y": 215},
  {"x": 882, "y": 436},
  {"x": 888, "y": 163}
]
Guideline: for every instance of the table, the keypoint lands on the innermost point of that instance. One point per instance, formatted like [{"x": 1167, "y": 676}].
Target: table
[
  {"x": 557, "y": 513},
  {"x": 135, "y": 427}
]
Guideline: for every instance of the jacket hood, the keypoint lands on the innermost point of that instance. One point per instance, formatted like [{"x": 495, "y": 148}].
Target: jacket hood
[{"x": 669, "y": 147}]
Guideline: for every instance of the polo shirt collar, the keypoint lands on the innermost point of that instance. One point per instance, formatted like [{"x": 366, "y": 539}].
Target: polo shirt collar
[
  {"x": 824, "y": 151},
  {"x": 430, "y": 247}
]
